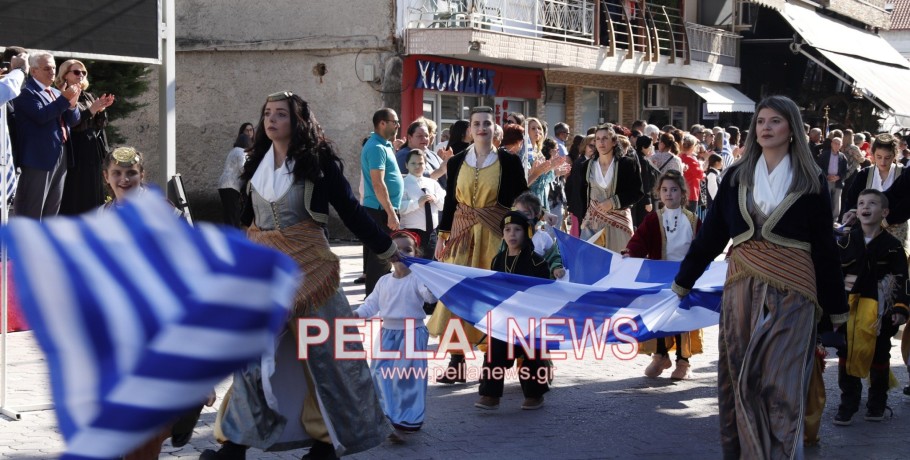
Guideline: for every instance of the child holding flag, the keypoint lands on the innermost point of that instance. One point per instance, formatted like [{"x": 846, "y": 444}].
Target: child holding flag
[
  {"x": 666, "y": 234},
  {"x": 397, "y": 298}
]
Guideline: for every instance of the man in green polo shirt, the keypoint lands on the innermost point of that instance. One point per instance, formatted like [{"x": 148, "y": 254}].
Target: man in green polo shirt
[{"x": 382, "y": 186}]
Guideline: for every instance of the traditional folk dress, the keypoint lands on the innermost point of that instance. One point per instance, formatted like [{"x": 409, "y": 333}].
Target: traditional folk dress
[
  {"x": 620, "y": 183},
  {"x": 783, "y": 272},
  {"x": 402, "y": 382},
  {"x": 665, "y": 234},
  {"x": 337, "y": 397},
  {"x": 477, "y": 198}
]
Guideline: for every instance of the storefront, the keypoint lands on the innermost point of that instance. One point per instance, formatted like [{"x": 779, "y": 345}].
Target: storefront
[{"x": 444, "y": 90}]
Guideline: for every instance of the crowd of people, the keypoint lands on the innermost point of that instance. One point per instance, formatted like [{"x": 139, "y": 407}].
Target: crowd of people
[{"x": 814, "y": 230}]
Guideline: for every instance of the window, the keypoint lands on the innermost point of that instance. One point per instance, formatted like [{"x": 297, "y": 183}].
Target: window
[
  {"x": 599, "y": 107},
  {"x": 447, "y": 108}
]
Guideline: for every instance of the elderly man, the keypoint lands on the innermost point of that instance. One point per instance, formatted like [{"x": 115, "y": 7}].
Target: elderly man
[
  {"x": 834, "y": 163},
  {"x": 561, "y": 131},
  {"x": 44, "y": 116}
]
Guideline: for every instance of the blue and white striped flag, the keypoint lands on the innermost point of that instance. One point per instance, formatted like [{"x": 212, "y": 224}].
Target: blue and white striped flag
[
  {"x": 141, "y": 315},
  {"x": 636, "y": 290}
]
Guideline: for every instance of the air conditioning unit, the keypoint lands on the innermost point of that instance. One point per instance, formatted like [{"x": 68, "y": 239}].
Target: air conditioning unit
[{"x": 658, "y": 96}]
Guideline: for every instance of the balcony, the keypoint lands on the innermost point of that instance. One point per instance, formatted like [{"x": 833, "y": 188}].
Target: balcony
[
  {"x": 607, "y": 36},
  {"x": 624, "y": 27}
]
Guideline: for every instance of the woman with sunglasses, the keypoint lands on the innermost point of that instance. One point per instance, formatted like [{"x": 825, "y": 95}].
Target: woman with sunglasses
[
  {"x": 83, "y": 188},
  {"x": 294, "y": 174}
]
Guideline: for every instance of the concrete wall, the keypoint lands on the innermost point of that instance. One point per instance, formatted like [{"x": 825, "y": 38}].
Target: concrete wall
[
  {"x": 232, "y": 54},
  {"x": 899, "y": 39}
]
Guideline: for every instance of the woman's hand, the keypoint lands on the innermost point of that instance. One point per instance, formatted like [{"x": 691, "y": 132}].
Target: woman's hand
[
  {"x": 604, "y": 207},
  {"x": 71, "y": 93}
]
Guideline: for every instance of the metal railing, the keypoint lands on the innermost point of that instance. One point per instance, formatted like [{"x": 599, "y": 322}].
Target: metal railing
[
  {"x": 707, "y": 41},
  {"x": 622, "y": 26},
  {"x": 563, "y": 20}
]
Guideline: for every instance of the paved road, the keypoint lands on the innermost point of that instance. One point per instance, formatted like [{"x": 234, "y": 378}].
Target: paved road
[{"x": 596, "y": 409}]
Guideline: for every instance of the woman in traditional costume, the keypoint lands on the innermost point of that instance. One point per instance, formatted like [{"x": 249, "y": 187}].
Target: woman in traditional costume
[
  {"x": 612, "y": 184},
  {"x": 783, "y": 274},
  {"x": 482, "y": 184},
  {"x": 294, "y": 175}
]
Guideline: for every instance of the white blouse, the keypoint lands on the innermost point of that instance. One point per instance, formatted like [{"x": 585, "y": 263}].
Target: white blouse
[
  {"x": 271, "y": 183},
  {"x": 679, "y": 233},
  {"x": 878, "y": 183},
  {"x": 604, "y": 179},
  {"x": 769, "y": 189}
]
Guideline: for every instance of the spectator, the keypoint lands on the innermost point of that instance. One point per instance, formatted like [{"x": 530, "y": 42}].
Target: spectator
[
  {"x": 418, "y": 138},
  {"x": 44, "y": 116},
  {"x": 83, "y": 189},
  {"x": 382, "y": 186},
  {"x": 666, "y": 156},
  {"x": 693, "y": 173},
  {"x": 497, "y": 136},
  {"x": 10, "y": 88},
  {"x": 561, "y": 131},
  {"x": 834, "y": 164},
  {"x": 459, "y": 137},
  {"x": 230, "y": 186},
  {"x": 421, "y": 202}
]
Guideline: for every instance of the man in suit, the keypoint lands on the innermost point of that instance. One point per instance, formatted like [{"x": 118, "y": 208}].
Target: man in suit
[
  {"x": 43, "y": 119},
  {"x": 833, "y": 162}
]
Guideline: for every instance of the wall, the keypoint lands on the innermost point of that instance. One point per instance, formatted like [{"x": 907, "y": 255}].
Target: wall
[
  {"x": 232, "y": 54},
  {"x": 575, "y": 82}
]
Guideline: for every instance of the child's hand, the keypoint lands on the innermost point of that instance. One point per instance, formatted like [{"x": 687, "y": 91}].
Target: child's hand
[
  {"x": 559, "y": 273},
  {"x": 440, "y": 249},
  {"x": 426, "y": 199},
  {"x": 624, "y": 253}
]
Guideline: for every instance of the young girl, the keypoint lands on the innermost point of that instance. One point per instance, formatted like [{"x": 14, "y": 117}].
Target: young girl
[
  {"x": 666, "y": 234},
  {"x": 123, "y": 173},
  {"x": 517, "y": 257},
  {"x": 400, "y": 296}
]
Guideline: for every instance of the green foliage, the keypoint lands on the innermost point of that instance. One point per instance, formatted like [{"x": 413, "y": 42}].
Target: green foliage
[{"x": 126, "y": 81}]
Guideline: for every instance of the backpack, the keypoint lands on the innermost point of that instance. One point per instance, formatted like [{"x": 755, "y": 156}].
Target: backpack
[{"x": 649, "y": 174}]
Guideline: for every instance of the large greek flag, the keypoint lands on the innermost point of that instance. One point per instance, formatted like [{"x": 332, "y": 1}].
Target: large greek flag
[
  {"x": 604, "y": 288},
  {"x": 141, "y": 315}
]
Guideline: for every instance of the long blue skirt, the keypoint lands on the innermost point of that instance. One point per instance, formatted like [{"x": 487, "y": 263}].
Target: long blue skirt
[{"x": 401, "y": 384}]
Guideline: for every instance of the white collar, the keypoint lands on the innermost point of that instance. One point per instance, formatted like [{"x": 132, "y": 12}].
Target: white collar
[
  {"x": 604, "y": 178},
  {"x": 270, "y": 183},
  {"x": 471, "y": 158},
  {"x": 878, "y": 183},
  {"x": 769, "y": 189}
]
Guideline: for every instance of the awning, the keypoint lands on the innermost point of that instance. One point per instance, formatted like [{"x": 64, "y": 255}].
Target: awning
[
  {"x": 876, "y": 67},
  {"x": 719, "y": 97}
]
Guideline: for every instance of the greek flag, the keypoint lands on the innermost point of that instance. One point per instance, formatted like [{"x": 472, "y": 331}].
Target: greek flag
[
  {"x": 141, "y": 315},
  {"x": 603, "y": 288}
]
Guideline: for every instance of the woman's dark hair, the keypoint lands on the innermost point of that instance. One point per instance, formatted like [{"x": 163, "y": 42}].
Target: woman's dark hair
[
  {"x": 309, "y": 147},
  {"x": 518, "y": 117},
  {"x": 734, "y": 135},
  {"x": 670, "y": 142},
  {"x": 574, "y": 149},
  {"x": 549, "y": 145},
  {"x": 243, "y": 141},
  {"x": 641, "y": 143},
  {"x": 457, "y": 133},
  {"x": 512, "y": 134},
  {"x": 416, "y": 124}
]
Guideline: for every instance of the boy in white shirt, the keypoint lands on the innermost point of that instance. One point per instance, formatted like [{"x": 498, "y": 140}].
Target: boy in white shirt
[{"x": 421, "y": 202}]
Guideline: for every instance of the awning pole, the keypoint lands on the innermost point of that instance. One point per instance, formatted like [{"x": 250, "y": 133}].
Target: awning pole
[{"x": 798, "y": 48}]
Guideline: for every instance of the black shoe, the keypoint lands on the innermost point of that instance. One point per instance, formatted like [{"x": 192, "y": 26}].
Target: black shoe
[
  {"x": 455, "y": 371},
  {"x": 320, "y": 451},
  {"x": 877, "y": 414},
  {"x": 907, "y": 390},
  {"x": 843, "y": 417},
  {"x": 228, "y": 451},
  {"x": 362, "y": 279}
]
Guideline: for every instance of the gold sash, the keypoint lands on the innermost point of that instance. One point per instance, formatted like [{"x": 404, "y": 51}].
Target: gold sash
[{"x": 306, "y": 243}]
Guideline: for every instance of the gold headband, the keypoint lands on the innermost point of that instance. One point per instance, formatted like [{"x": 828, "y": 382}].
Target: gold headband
[{"x": 126, "y": 156}]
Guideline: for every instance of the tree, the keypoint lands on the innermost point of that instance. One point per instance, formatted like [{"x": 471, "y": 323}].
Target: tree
[{"x": 126, "y": 81}]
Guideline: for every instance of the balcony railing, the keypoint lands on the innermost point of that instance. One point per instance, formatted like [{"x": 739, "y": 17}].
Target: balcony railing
[
  {"x": 563, "y": 20},
  {"x": 623, "y": 26},
  {"x": 707, "y": 41}
]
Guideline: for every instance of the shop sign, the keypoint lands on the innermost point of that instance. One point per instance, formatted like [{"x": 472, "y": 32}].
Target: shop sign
[{"x": 455, "y": 78}]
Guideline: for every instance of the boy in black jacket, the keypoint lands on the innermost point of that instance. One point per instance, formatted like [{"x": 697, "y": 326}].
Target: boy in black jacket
[{"x": 875, "y": 269}]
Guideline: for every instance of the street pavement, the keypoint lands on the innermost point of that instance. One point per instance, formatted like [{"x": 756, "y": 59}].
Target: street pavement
[{"x": 596, "y": 409}]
